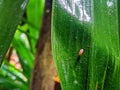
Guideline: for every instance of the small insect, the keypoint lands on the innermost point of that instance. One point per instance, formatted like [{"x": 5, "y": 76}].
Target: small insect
[
  {"x": 81, "y": 52},
  {"x": 79, "y": 56}
]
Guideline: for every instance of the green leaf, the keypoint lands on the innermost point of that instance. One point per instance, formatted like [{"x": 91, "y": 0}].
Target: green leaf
[
  {"x": 34, "y": 18},
  {"x": 11, "y": 12},
  {"x": 11, "y": 78},
  {"x": 25, "y": 56},
  {"x": 92, "y": 26}
]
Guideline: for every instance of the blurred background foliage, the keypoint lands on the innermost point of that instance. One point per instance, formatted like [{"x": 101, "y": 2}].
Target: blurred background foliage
[{"x": 16, "y": 69}]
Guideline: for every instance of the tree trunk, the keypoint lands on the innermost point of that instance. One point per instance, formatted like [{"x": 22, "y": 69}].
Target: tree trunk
[{"x": 44, "y": 69}]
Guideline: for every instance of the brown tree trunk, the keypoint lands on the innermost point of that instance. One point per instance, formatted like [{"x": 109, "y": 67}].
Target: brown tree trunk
[{"x": 44, "y": 69}]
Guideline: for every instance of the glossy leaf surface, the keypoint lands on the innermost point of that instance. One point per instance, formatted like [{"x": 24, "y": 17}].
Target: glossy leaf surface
[
  {"x": 11, "y": 12},
  {"x": 93, "y": 27}
]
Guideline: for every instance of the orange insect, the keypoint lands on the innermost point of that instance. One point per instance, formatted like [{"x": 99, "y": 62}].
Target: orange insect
[
  {"x": 79, "y": 56},
  {"x": 81, "y": 52}
]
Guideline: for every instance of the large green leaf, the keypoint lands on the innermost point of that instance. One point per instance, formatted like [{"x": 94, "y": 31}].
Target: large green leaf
[
  {"x": 10, "y": 14},
  {"x": 92, "y": 26}
]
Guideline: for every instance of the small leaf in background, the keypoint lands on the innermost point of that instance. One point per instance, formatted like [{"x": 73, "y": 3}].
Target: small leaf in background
[
  {"x": 34, "y": 19},
  {"x": 12, "y": 78}
]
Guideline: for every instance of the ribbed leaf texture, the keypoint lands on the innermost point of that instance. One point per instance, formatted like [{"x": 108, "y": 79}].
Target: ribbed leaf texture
[{"x": 91, "y": 27}]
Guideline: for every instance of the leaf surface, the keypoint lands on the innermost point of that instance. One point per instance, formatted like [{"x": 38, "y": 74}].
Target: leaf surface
[
  {"x": 93, "y": 27},
  {"x": 11, "y": 12}
]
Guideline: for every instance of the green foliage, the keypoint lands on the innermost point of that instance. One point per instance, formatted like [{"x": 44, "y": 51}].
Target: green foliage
[
  {"x": 11, "y": 78},
  {"x": 34, "y": 19},
  {"x": 23, "y": 42},
  {"x": 91, "y": 25},
  {"x": 10, "y": 14}
]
